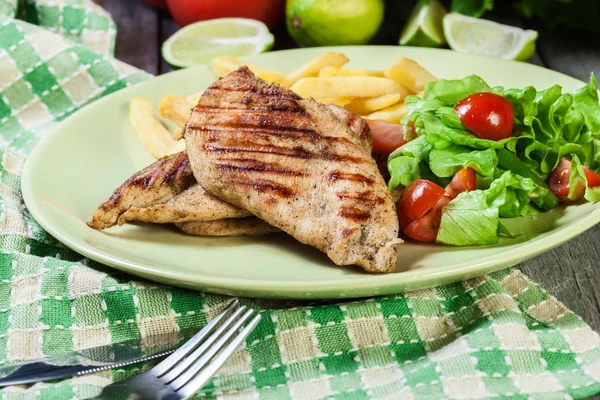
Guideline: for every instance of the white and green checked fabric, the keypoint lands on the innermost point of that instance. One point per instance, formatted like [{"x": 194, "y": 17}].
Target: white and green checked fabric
[{"x": 499, "y": 335}]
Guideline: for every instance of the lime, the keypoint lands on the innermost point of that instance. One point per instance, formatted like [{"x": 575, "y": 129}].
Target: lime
[
  {"x": 333, "y": 22},
  {"x": 424, "y": 26},
  {"x": 202, "y": 41},
  {"x": 479, "y": 36}
]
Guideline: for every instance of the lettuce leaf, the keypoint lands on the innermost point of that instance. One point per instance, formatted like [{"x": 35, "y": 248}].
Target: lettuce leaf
[
  {"x": 446, "y": 162},
  {"x": 511, "y": 173},
  {"x": 473, "y": 218}
]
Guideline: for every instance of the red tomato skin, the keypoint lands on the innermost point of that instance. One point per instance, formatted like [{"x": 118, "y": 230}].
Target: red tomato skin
[
  {"x": 487, "y": 115},
  {"x": 558, "y": 181},
  {"x": 425, "y": 229},
  {"x": 159, "y": 5},
  {"x": 387, "y": 136},
  {"x": 185, "y": 12},
  {"x": 417, "y": 199},
  {"x": 463, "y": 181},
  {"x": 593, "y": 178}
]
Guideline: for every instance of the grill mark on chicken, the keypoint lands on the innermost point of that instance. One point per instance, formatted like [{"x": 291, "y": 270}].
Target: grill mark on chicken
[
  {"x": 342, "y": 205},
  {"x": 267, "y": 186},
  {"x": 259, "y": 167},
  {"x": 252, "y": 133},
  {"x": 338, "y": 175},
  {"x": 355, "y": 214},
  {"x": 295, "y": 152},
  {"x": 155, "y": 184},
  {"x": 366, "y": 197}
]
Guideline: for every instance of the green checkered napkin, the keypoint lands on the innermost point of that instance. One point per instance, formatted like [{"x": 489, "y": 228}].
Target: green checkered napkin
[{"x": 499, "y": 335}]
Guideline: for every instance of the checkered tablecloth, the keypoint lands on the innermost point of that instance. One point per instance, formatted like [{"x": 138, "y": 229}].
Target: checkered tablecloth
[{"x": 499, "y": 335}]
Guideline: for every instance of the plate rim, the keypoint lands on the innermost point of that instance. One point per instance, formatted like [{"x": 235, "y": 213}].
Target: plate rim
[{"x": 377, "y": 284}]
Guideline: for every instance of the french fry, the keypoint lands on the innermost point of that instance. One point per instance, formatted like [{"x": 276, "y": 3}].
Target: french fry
[
  {"x": 343, "y": 86},
  {"x": 338, "y": 101},
  {"x": 312, "y": 68},
  {"x": 409, "y": 73},
  {"x": 175, "y": 108},
  {"x": 192, "y": 99},
  {"x": 335, "y": 71},
  {"x": 179, "y": 147},
  {"x": 224, "y": 65},
  {"x": 391, "y": 114},
  {"x": 156, "y": 138},
  {"x": 367, "y": 105}
]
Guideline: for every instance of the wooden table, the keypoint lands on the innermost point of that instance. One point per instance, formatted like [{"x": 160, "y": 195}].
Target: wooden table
[{"x": 572, "y": 271}]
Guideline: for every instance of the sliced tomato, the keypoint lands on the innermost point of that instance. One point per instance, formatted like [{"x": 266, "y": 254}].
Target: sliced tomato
[
  {"x": 425, "y": 228},
  {"x": 416, "y": 200},
  {"x": 463, "y": 181},
  {"x": 593, "y": 178},
  {"x": 387, "y": 136},
  {"x": 487, "y": 115},
  {"x": 558, "y": 181}
]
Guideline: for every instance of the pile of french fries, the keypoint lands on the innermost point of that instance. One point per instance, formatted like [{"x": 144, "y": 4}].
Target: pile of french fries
[{"x": 372, "y": 94}]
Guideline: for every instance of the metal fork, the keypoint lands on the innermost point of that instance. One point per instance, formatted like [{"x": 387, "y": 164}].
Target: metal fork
[{"x": 185, "y": 371}]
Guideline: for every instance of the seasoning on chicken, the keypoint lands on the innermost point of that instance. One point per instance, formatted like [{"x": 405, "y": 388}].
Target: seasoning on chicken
[
  {"x": 157, "y": 183},
  {"x": 294, "y": 164}
]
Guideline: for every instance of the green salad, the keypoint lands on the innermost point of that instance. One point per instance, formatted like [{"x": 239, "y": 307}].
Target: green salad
[{"x": 555, "y": 136}]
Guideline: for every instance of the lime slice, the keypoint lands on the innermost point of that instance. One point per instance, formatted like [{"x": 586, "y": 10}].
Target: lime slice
[
  {"x": 479, "y": 36},
  {"x": 424, "y": 26},
  {"x": 202, "y": 41}
]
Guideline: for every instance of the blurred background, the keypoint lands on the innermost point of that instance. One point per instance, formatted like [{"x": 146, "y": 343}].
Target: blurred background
[{"x": 568, "y": 39}]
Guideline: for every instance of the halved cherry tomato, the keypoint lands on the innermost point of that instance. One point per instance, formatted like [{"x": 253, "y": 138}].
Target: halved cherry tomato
[
  {"x": 558, "y": 181},
  {"x": 463, "y": 181},
  {"x": 425, "y": 229},
  {"x": 593, "y": 178},
  {"x": 387, "y": 137},
  {"x": 487, "y": 115},
  {"x": 416, "y": 200}
]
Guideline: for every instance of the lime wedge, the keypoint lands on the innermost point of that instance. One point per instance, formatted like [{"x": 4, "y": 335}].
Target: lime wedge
[
  {"x": 424, "y": 26},
  {"x": 202, "y": 41},
  {"x": 479, "y": 36}
]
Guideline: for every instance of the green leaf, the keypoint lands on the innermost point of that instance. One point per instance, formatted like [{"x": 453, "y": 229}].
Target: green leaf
[
  {"x": 508, "y": 196},
  {"x": 469, "y": 220},
  {"x": 450, "y": 92},
  {"x": 403, "y": 170},
  {"x": 446, "y": 162}
]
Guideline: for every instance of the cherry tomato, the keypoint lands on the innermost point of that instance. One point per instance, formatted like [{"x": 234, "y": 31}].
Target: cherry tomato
[
  {"x": 558, "y": 181},
  {"x": 425, "y": 228},
  {"x": 487, "y": 115},
  {"x": 593, "y": 178},
  {"x": 387, "y": 136},
  {"x": 159, "y": 5},
  {"x": 463, "y": 181},
  {"x": 416, "y": 200},
  {"x": 271, "y": 12}
]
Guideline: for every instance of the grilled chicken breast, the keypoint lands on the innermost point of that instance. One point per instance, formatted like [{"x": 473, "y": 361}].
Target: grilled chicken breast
[
  {"x": 155, "y": 195},
  {"x": 193, "y": 204},
  {"x": 295, "y": 165},
  {"x": 228, "y": 227},
  {"x": 155, "y": 184}
]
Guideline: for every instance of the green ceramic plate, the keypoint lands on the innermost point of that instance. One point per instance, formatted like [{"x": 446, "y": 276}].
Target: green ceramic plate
[{"x": 95, "y": 150}]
